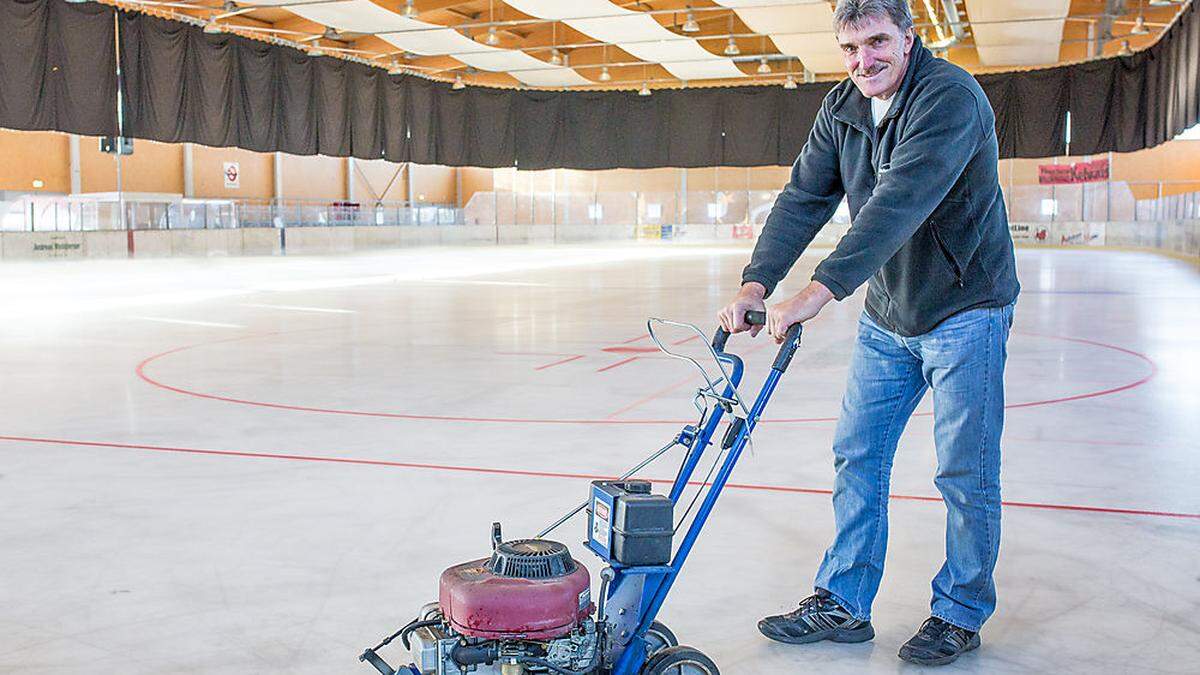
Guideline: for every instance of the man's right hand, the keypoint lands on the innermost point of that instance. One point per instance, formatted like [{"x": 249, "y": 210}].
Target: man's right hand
[{"x": 733, "y": 316}]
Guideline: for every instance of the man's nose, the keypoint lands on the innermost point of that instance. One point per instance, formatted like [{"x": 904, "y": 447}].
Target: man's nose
[{"x": 866, "y": 60}]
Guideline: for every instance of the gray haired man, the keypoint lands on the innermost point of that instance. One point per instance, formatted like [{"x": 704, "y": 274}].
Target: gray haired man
[{"x": 909, "y": 140}]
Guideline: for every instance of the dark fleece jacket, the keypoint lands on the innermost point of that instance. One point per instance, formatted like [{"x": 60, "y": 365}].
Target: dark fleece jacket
[{"x": 929, "y": 227}]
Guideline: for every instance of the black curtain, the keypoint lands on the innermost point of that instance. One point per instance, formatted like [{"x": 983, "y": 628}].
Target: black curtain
[
  {"x": 1133, "y": 102},
  {"x": 750, "y": 123},
  {"x": 1031, "y": 111},
  {"x": 181, "y": 84},
  {"x": 58, "y": 67},
  {"x": 797, "y": 114},
  {"x": 57, "y": 71}
]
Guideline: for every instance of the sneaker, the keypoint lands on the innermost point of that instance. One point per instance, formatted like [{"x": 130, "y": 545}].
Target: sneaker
[
  {"x": 938, "y": 643},
  {"x": 819, "y": 617}
]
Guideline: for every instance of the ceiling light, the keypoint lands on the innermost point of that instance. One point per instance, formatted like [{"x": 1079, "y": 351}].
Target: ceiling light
[
  {"x": 394, "y": 68},
  {"x": 458, "y": 83},
  {"x": 731, "y": 49},
  {"x": 690, "y": 25},
  {"x": 409, "y": 9},
  {"x": 556, "y": 57},
  {"x": 492, "y": 38},
  {"x": 1139, "y": 26},
  {"x": 605, "y": 76},
  {"x": 764, "y": 68},
  {"x": 212, "y": 28},
  {"x": 1125, "y": 49},
  {"x": 316, "y": 51},
  {"x": 645, "y": 90},
  {"x": 790, "y": 82},
  {"x": 809, "y": 76}
]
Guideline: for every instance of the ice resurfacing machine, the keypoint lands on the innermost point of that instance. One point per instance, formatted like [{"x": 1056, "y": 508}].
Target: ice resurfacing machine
[{"x": 528, "y": 608}]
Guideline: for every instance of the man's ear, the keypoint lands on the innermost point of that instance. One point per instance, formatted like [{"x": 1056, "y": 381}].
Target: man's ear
[{"x": 908, "y": 40}]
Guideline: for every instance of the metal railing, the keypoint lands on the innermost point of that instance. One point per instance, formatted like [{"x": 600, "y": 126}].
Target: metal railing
[{"x": 1114, "y": 201}]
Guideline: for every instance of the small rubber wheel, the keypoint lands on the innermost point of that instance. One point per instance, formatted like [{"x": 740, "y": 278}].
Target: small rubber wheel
[
  {"x": 680, "y": 660},
  {"x": 659, "y": 637}
]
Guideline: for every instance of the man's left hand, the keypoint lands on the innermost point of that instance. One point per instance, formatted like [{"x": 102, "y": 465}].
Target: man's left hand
[{"x": 799, "y": 308}]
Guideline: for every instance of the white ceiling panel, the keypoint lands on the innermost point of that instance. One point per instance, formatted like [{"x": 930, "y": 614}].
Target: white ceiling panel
[
  {"x": 636, "y": 33},
  {"x": 355, "y": 16},
  {"x": 799, "y": 28},
  {"x": 1023, "y": 55},
  {"x": 427, "y": 39},
  {"x": 1017, "y": 32},
  {"x": 434, "y": 42},
  {"x": 559, "y": 10},
  {"x": 818, "y": 53},
  {"x": 522, "y": 66},
  {"x": 551, "y": 77}
]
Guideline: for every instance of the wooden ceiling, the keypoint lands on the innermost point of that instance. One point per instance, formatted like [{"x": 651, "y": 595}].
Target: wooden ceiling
[{"x": 1093, "y": 28}]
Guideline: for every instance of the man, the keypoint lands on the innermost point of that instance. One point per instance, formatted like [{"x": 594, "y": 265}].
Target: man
[{"x": 910, "y": 141}]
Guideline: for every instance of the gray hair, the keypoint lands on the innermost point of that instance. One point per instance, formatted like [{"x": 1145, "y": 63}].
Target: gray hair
[{"x": 850, "y": 12}]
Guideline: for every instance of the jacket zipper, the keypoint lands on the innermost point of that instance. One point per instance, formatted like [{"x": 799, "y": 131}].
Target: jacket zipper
[
  {"x": 958, "y": 276},
  {"x": 874, "y": 138}
]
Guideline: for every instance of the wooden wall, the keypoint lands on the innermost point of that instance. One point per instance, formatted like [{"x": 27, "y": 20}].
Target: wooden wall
[{"x": 158, "y": 167}]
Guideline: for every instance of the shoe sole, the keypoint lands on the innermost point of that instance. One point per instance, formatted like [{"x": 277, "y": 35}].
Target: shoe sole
[
  {"x": 834, "y": 635},
  {"x": 941, "y": 661}
]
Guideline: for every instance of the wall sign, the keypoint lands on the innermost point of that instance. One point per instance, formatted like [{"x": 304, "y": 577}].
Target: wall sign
[
  {"x": 233, "y": 175},
  {"x": 1095, "y": 171}
]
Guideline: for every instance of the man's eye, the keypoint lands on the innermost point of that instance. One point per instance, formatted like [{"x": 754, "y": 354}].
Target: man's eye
[
  {"x": 849, "y": 49},
  {"x": 877, "y": 42}
]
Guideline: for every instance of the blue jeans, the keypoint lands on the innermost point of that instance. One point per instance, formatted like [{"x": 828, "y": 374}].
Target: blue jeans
[{"x": 962, "y": 360}]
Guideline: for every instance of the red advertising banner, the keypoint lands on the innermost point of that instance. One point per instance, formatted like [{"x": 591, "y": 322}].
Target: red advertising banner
[{"x": 1095, "y": 171}]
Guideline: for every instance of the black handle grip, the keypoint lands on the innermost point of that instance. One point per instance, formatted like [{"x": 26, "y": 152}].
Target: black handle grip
[
  {"x": 754, "y": 318},
  {"x": 787, "y": 350}
]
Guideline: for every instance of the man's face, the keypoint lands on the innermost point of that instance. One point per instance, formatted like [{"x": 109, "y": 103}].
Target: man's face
[{"x": 876, "y": 53}]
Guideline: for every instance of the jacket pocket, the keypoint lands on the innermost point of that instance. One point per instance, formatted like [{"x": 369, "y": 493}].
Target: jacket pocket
[{"x": 937, "y": 238}]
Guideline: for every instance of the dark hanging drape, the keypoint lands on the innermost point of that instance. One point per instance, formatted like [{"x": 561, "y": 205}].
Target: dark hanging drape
[
  {"x": 222, "y": 90},
  {"x": 1031, "y": 111},
  {"x": 57, "y": 71},
  {"x": 1134, "y": 102},
  {"x": 58, "y": 67}
]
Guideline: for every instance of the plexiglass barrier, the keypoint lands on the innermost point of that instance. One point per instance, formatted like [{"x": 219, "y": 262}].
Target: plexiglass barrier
[{"x": 745, "y": 210}]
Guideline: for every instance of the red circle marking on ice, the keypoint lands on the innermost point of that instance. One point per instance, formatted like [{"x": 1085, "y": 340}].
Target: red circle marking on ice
[{"x": 141, "y": 373}]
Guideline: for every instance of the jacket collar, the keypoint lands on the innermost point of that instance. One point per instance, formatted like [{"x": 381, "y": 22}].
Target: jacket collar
[{"x": 855, "y": 109}]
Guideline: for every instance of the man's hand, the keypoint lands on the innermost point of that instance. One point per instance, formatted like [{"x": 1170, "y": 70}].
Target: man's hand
[
  {"x": 799, "y": 308},
  {"x": 733, "y": 316}
]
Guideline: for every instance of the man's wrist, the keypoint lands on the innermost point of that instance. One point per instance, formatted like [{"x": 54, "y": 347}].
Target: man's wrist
[
  {"x": 754, "y": 290},
  {"x": 819, "y": 291}
]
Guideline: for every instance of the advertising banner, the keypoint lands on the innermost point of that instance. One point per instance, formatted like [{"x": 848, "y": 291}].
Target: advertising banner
[{"x": 1095, "y": 171}]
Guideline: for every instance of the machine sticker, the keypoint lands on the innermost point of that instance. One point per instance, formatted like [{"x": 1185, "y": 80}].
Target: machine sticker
[
  {"x": 585, "y": 599},
  {"x": 600, "y": 525}
]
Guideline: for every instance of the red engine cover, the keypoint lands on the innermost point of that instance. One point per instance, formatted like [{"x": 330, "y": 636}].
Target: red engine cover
[{"x": 478, "y": 603}]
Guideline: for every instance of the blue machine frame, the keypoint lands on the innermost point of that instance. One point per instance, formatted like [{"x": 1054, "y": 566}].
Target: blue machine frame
[
  {"x": 635, "y": 594},
  {"x": 632, "y": 595}
]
